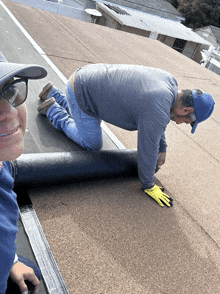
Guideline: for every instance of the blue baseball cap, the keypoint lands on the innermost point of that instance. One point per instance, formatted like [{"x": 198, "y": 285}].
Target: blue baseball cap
[
  {"x": 9, "y": 70},
  {"x": 203, "y": 107}
]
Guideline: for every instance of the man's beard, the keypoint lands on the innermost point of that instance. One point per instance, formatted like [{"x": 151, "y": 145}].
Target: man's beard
[{"x": 173, "y": 115}]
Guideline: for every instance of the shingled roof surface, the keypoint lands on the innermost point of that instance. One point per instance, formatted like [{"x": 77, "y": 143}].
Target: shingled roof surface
[{"x": 106, "y": 235}]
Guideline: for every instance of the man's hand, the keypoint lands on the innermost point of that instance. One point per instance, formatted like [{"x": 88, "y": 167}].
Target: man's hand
[
  {"x": 157, "y": 194},
  {"x": 161, "y": 160},
  {"x": 19, "y": 273}
]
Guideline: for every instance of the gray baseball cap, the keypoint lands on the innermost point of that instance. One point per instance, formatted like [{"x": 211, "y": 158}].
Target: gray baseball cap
[{"x": 9, "y": 70}]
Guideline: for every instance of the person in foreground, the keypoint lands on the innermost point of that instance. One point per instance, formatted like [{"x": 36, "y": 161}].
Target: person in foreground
[
  {"x": 132, "y": 97},
  {"x": 15, "y": 271}
]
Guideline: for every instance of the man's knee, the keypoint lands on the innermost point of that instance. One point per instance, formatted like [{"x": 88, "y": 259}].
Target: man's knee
[{"x": 93, "y": 146}]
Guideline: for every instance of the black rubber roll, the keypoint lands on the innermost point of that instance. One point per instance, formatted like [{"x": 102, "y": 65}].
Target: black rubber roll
[{"x": 43, "y": 169}]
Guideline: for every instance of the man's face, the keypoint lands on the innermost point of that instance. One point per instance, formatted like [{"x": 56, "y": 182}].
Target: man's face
[
  {"x": 13, "y": 122},
  {"x": 181, "y": 114}
]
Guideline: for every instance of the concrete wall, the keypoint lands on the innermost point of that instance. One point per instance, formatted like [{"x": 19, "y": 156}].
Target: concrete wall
[{"x": 75, "y": 11}]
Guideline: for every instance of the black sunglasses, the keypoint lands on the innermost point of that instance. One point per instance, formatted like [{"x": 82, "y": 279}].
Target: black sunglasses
[{"x": 16, "y": 92}]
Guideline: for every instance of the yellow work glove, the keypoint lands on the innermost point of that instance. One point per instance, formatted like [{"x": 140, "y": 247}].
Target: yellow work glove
[{"x": 157, "y": 194}]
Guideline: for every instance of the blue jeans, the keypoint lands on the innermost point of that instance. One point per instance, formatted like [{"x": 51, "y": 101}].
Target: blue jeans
[
  {"x": 66, "y": 115},
  {"x": 13, "y": 287}
]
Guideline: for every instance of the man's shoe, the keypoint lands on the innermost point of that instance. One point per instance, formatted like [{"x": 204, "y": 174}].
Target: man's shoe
[
  {"x": 46, "y": 105},
  {"x": 46, "y": 89}
]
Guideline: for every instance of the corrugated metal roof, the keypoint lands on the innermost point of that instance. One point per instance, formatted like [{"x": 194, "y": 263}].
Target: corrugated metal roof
[
  {"x": 153, "y": 23},
  {"x": 157, "y": 7}
]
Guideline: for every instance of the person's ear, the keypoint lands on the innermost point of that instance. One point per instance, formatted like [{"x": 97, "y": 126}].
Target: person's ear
[{"x": 183, "y": 111}]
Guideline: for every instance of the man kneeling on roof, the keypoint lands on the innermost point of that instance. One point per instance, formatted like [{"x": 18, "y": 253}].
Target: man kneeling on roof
[{"x": 132, "y": 97}]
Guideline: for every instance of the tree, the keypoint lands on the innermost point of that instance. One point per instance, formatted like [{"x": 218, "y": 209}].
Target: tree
[
  {"x": 199, "y": 13},
  {"x": 175, "y": 3}
]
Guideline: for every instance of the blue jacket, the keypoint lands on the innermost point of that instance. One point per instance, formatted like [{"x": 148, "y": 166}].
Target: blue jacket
[{"x": 8, "y": 224}]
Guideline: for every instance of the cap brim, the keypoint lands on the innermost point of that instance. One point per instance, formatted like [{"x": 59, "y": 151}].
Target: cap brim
[
  {"x": 194, "y": 126},
  {"x": 30, "y": 71}
]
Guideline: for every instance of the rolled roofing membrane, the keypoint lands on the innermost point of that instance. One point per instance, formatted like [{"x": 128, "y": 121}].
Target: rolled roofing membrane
[{"x": 63, "y": 167}]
